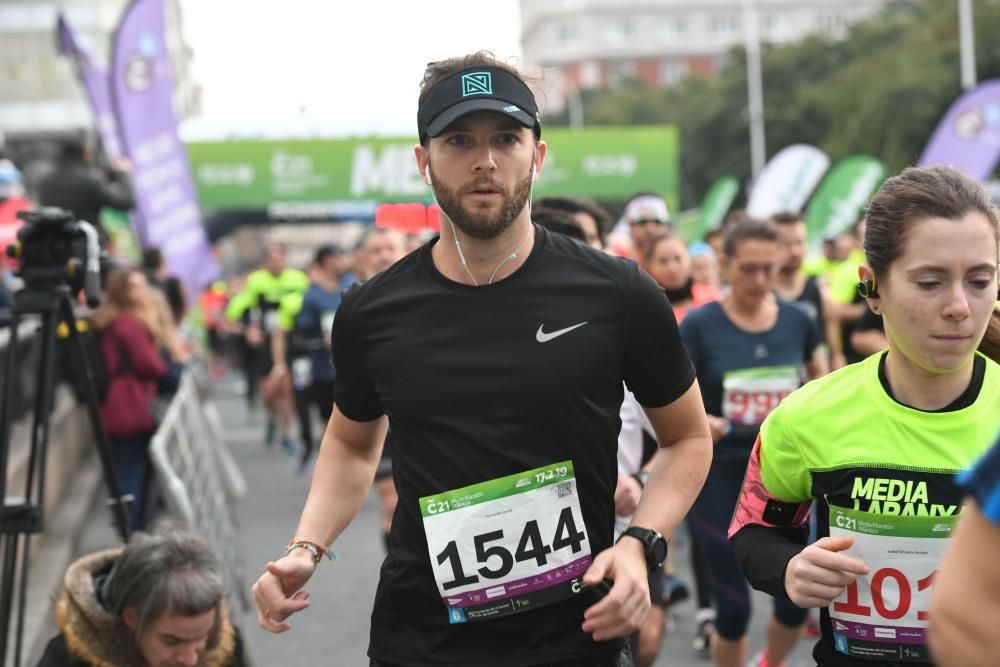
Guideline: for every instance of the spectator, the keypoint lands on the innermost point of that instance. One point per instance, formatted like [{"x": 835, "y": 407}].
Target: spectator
[
  {"x": 130, "y": 325},
  {"x": 156, "y": 602},
  {"x": 77, "y": 186}
]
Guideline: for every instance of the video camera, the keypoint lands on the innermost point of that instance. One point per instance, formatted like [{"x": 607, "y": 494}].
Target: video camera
[{"x": 53, "y": 248}]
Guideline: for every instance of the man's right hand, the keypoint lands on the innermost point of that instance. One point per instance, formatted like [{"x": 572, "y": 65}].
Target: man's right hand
[
  {"x": 278, "y": 593},
  {"x": 818, "y": 574}
]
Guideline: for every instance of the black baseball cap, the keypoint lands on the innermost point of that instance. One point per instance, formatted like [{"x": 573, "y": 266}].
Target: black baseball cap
[{"x": 477, "y": 89}]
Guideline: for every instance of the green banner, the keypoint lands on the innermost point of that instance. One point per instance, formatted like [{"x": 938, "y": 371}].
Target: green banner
[
  {"x": 347, "y": 175},
  {"x": 716, "y": 204},
  {"x": 842, "y": 197},
  {"x": 529, "y": 480}
]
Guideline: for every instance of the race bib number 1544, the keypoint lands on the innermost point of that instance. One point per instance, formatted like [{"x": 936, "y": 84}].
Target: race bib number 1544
[{"x": 507, "y": 545}]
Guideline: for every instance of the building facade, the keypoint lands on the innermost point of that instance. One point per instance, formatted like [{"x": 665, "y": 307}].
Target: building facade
[
  {"x": 41, "y": 99},
  {"x": 587, "y": 44}
]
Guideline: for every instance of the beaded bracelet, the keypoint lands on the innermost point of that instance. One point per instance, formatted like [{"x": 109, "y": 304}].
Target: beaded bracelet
[{"x": 316, "y": 550}]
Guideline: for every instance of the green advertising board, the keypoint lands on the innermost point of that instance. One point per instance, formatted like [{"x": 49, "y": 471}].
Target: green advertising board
[
  {"x": 607, "y": 163},
  {"x": 716, "y": 205},
  {"x": 842, "y": 196}
]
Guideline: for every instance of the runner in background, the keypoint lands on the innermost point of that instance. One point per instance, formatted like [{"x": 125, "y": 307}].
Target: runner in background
[
  {"x": 666, "y": 259},
  {"x": 667, "y": 262},
  {"x": 382, "y": 249},
  {"x": 877, "y": 444},
  {"x": 750, "y": 350},
  {"x": 257, "y": 309},
  {"x": 646, "y": 215},
  {"x": 704, "y": 265},
  {"x": 301, "y": 345},
  {"x": 212, "y": 307},
  {"x": 792, "y": 284},
  {"x": 593, "y": 220},
  {"x": 847, "y": 306}
]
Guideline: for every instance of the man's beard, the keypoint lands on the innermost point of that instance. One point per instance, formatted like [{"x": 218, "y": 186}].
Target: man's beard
[{"x": 482, "y": 224}]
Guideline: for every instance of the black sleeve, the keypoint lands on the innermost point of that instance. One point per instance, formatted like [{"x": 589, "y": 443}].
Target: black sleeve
[
  {"x": 763, "y": 553},
  {"x": 869, "y": 321},
  {"x": 354, "y": 391},
  {"x": 57, "y": 655},
  {"x": 117, "y": 192},
  {"x": 656, "y": 364}
]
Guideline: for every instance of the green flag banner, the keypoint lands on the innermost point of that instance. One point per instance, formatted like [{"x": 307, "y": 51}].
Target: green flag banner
[
  {"x": 355, "y": 174},
  {"x": 716, "y": 204},
  {"x": 842, "y": 196}
]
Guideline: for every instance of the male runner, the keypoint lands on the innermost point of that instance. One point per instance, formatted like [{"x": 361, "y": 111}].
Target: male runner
[
  {"x": 383, "y": 248},
  {"x": 497, "y": 354},
  {"x": 792, "y": 284},
  {"x": 257, "y": 308}
]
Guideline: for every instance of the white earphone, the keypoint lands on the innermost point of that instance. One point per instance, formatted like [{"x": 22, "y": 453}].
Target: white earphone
[{"x": 427, "y": 174}]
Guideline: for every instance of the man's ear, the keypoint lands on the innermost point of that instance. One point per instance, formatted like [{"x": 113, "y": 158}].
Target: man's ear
[{"x": 423, "y": 160}]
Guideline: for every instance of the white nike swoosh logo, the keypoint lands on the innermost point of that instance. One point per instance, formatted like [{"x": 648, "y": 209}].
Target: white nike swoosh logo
[{"x": 543, "y": 337}]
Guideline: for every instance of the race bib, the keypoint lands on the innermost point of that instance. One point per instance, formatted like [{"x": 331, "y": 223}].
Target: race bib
[
  {"x": 302, "y": 372},
  {"x": 270, "y": 321},
  {"x": 326, "y": 324},
  {"x": 884, "y": 615},
  {"x": 749, "y": 395},
  {"x": 507, "y": 545}
]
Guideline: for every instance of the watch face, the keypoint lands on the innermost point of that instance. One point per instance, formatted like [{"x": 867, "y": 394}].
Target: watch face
[{"x": 659, "y": 549}]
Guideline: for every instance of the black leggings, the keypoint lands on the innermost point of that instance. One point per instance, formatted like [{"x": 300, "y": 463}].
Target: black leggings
[
  {"x": 710, "y": 517},
  {"x": 320, "y": 394}
]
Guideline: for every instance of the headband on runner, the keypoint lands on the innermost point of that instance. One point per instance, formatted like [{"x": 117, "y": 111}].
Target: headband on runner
[{"x": 477, "y": 89}]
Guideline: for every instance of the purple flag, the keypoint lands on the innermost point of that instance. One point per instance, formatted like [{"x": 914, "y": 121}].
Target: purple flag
[
  {"x": 968, "y": 137},
  {"x": 166, "y": 214},
  {"x": 94, "y": 77}
]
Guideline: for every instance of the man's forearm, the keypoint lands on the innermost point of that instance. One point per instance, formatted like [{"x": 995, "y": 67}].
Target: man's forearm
[
  {"x": 673, "y": 484},
  {"x": 339, "y": 487}
]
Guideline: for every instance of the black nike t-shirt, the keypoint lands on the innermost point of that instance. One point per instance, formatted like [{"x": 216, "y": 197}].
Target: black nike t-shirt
[{"x": 485, "y": 382}]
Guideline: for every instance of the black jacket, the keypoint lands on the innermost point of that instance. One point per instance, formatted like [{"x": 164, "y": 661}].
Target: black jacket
[{"x": 77, "y": 187}]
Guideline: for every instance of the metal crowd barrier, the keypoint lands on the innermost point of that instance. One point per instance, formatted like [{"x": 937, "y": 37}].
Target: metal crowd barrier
[{"x": 199, "y": 477}]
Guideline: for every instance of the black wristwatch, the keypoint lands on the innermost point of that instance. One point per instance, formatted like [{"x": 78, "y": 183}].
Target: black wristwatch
[{"x": 654, "y": 546}]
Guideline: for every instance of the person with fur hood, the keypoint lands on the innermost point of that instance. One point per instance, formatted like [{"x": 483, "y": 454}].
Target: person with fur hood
[{"x": 155, "y": 603}]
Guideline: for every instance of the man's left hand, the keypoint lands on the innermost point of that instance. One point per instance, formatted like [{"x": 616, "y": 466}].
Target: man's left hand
[{"x": 622, "y": 611}]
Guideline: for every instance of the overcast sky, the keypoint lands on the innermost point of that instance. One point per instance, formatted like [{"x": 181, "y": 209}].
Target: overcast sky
[{"x": 350, "y": 66}]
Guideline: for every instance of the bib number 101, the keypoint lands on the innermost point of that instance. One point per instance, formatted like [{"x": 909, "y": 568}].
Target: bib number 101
[
  {"x": 854, "y": 607},
  {"x": 530, "y": 546}
]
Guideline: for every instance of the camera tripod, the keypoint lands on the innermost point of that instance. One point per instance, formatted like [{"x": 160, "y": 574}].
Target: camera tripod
[{"x": 22, "y": 516}]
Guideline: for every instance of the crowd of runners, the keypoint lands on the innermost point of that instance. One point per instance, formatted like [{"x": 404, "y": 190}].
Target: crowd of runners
[{"x": 544, "y": 396}]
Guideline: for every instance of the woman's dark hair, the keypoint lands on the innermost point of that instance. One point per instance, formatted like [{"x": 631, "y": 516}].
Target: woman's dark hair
[
  {"x": 558, "y": 221},
  {"x": 740, "y": 231},
  {"x": 176, "y": 295},
  {"x": 573, "y": 205},
  {"x": 916, "y": 194}
]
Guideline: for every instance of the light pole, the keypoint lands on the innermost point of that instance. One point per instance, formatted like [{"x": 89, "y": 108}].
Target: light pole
[
  {"x": 967, "y": 42},
  {"x": 755, "y": 87}
]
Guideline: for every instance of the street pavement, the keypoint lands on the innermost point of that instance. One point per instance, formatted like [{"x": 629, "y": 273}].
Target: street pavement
[{"x": 334, "y": 629}]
